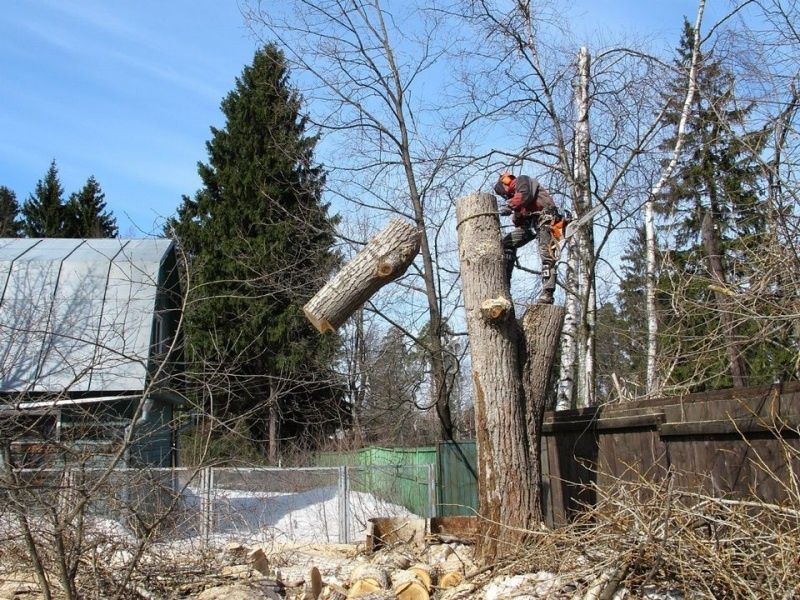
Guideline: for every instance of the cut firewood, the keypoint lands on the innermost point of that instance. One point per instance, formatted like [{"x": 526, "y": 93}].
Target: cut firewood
[
  {"x": 316, "y": 582},
  {"x": 362, "y": 587},
  {"x": 370, "y": 571},
  {"x": 412, "y": 589},
  {"x": 423, "y": 573},
  {"x": 334, "y": 592},
  {"x": 451, "y": 579}
]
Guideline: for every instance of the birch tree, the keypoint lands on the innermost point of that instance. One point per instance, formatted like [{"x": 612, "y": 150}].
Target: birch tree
[
  {"x": 531, "y": 51},
  {"x": 650, "y": 232}
]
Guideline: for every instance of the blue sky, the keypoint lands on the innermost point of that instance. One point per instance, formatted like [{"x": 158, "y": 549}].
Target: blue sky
[{"x": 126, "y": 90}]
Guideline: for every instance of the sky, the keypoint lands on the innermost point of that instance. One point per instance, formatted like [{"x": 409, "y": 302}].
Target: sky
[{"x": 126, "y": 90}]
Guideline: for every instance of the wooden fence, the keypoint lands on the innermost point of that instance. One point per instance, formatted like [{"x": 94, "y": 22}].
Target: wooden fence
[{"x": 738, "y": 443}]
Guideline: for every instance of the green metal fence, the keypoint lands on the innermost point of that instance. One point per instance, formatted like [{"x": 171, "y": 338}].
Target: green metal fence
[
  {"x": 453, "y": 464},
  {"x": 456, "y": 478}
]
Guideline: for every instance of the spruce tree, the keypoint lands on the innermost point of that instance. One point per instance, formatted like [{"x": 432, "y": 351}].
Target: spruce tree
[
  {"x": 85, "y": 214},
  {"x": 622, "y": 343},
  {"x": 260, "y": 244},
  {"x": 43, "y": 211},
  {"x": 718, "y": 172},
  {"x": 718, "y": 181},
  {"x": 10, "y": 223}
]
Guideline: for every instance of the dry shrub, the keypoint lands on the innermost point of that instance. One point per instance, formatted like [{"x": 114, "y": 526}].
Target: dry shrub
[{"x": 650, "y": 538}]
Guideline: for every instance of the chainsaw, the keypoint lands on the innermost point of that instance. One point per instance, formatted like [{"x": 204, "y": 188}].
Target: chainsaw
[{"x": 566, "y": 227}]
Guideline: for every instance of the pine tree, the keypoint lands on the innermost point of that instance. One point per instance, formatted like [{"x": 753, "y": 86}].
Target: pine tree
[
  {"x": 260, "y": 243},
  {"x": 85, "y": 214},
  {"x": 43, "y": 211},
  {"x": 10, "y": 223}
]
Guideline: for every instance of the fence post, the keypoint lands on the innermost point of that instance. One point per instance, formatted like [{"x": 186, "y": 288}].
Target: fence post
[
  {"x": 432, "y": 491},
  {"x": 206, "y": 504},
  {"x": 344, "y": 505}
]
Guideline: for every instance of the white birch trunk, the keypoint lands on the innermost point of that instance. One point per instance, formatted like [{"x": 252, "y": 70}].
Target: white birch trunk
[
  {"x": 652, "y": 322},
  {"x": 650, "y": 288},
  {"x": 585, "y": 237},
  {"x": 569, "y": 347}
]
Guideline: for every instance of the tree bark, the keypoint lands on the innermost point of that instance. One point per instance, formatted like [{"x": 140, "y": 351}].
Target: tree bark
[
  {"x": 585, "y": 237},
  {"x": 385, "y": 258},
  {"x": 508, "y": 494},
  {"x": 541, "y": 326},
  {"x": 651, "y": 377},
  {"x": 653, "y": 385},
  {"x": 714, "y": 252},
  {"x": 569, "y": 342},
  {"x": 273, "y": 432}
]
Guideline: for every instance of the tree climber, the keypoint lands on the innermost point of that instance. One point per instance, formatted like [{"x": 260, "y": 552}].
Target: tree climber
[{"x": 533, "y": 213}]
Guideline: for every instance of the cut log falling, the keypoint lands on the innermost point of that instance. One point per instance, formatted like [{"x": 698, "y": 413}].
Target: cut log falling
[
  {"x": 505, "y": 362},
  {"x": 385, "y": 258}
]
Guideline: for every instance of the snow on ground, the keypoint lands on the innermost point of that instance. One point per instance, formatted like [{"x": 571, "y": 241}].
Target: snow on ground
[{"x": 312, "y": 516}]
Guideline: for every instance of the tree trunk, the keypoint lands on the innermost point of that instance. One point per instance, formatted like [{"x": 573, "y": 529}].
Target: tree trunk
[
  {"x": 585, "y": 237},
  {"x": 508, "y": 491},
  {"x": 715, "y": 266},
  {"x": 569, "y": 333},
  {"x": 653, "y": 384},
  {"x": 385, "y": 258},
  {"x": 541, "y": 327},
  {"x": 273, "y": 432}
]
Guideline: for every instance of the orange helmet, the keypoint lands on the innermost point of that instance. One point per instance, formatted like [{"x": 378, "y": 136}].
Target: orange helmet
[
  {"x": 505, "y": 180},
  {"x": 506, "y": 177}
]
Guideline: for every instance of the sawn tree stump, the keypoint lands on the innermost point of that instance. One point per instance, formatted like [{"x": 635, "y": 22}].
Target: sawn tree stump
[{"x": 385, "y": 258}]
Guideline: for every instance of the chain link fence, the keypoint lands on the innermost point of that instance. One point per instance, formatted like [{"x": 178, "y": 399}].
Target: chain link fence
[{"x": 328, "y": 504}]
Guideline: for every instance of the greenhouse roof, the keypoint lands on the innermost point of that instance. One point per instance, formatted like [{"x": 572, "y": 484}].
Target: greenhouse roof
[{"x": 77, "y": 315}]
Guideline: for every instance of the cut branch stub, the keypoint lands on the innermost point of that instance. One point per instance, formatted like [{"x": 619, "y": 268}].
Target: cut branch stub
[
  {"x": 385, "y": 258},
  {"x": 495, "y": 309}
]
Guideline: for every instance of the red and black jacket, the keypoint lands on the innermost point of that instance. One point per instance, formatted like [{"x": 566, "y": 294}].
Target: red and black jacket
[{"x": 527, "y": 197}]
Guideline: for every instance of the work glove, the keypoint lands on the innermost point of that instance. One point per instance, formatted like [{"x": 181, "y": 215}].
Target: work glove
[{"x": 505, "y": 211}]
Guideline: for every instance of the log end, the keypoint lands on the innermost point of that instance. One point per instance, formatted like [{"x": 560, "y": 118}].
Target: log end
[
  {"x": 450, "y": 579},
  {"x": 495, "y": 309},
  {"x": 321, "y": 325}
]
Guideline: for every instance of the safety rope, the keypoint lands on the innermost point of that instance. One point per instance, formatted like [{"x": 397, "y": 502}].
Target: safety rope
[{"x": 481, "y": 214}]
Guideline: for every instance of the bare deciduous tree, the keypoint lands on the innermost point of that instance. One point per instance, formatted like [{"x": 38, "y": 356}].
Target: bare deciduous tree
[{"x": 368, "y": 79}]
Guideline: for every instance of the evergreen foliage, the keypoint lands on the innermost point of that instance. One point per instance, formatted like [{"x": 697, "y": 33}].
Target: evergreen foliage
[
  {"x": 718, "y": 175},
  {"x": 260, "y": 244},
  {"x": 622, "y": 326},
  {"x": 10, "y": 223},
  {"x": 44, "y": 209},
  {"x": 397, "y": 409},
  {"x": 718, "y": 171},
  {"x": 85, "y": 214}
]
